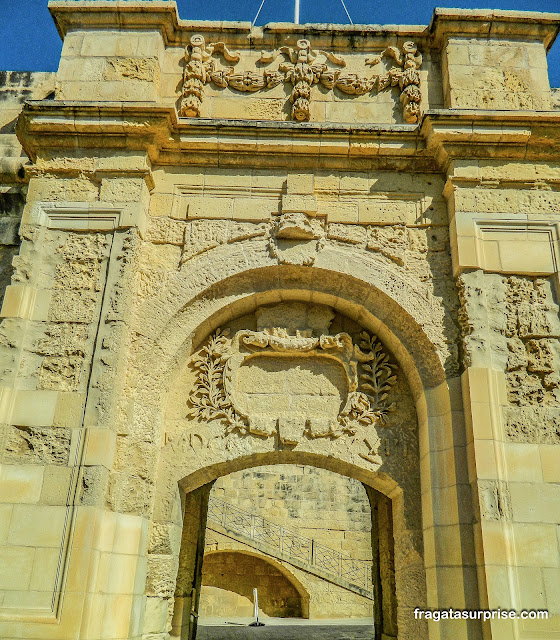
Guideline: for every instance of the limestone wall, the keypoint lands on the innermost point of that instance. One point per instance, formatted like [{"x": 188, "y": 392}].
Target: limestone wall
[
  {"x": 317, "y": 598},
  {"x": 228, "y": 573},
  {"x": 330, "y": 509},
  {"x": 15, "y": 88},
  {"x": 327, "y": 507}
]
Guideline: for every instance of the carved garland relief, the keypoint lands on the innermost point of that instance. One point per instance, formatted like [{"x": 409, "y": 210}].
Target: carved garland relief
[
  {"x": 301, "y": 69},
  {"x": 361, "y": 368}
]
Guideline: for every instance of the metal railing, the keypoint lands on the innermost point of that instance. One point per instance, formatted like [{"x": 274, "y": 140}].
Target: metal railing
[{"x": 290, "y": 543}]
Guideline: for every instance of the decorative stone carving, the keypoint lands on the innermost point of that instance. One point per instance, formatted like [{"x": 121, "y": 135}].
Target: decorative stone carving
[
  {"x": 302, "y": 69},
  {"x": 295, "y": 238},
  {"x": 409, "y": 60},
  {"x": 199, "y": 69},
  {"x": 208, "y": 397},
  {"x": 295, "y": 226},
  {"x": 405, "y": 76},
  {"x": 349, "y": 395},
  {"x": 533, "y": 345},
  {"x": 246, "y": 80},
  {"x": 301, "y": 72}
]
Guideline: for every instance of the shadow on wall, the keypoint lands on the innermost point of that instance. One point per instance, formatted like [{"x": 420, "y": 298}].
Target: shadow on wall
[{"x": 228, "y": 579}]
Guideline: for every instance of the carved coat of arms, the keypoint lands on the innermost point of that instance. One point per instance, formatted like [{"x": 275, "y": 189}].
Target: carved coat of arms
[{"x": 306, "y": 383}]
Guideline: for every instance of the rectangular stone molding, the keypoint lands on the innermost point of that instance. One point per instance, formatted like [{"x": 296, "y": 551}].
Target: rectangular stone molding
[
  {"x": 504, "y": 244},
  {"x": 239, "y": 196},
  {"x": 52, "y": 467},
  {"x": 82, "y": 216}
]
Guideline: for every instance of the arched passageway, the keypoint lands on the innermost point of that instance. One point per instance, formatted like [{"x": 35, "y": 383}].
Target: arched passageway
[
  {"x": 313, "y": 525},
  {"x": 190, "y": 578},
  {"x": 228, "y": 580},
  {"x": 236, "y": 355}
]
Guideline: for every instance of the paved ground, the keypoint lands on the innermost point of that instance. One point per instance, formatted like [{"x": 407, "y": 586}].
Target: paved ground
[{"x": 285, "y": 629}]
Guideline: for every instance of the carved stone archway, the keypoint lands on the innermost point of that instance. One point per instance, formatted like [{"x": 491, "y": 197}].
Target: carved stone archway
[
  {"x": 387, "y": 518},
  {"x": 297, "y": 382},
  {"x": 384, "y": 303}
]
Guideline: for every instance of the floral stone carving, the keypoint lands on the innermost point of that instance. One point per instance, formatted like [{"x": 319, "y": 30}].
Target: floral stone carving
[
  {"x": 301, "y": 72},
  {"x": 359, "y": 371},
  {"x": 199, "y": 68},
  {"x": 303, "y": 68}
]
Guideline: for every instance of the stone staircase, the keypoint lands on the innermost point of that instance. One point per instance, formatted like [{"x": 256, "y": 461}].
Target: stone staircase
[{"x": 289, "y": 546}]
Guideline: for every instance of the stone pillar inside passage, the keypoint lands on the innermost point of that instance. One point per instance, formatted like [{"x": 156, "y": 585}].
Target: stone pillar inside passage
[
  {"x": 383, "y": 548},
  {"x": 189, "y": 576}
]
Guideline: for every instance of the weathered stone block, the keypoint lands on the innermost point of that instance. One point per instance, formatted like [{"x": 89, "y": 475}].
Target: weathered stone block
[
  {"x": 210, "y": 208},
  {"x": 34, "y": 408},
  {"x": 300, "y": 184},
  {"x": 72, "y": 306},
  {"x": 339, "y": 212},
  {"x": 299, "y": 203},
  {"x": 56, "y": 485},
  {"x": 380, "y": 212},
  {"x": 37, "y": 526},
  {"x": 16, "y": 565},
  {"x": 27, "y": 444},
  {"x": 20, "y": 483},
  {"x": 255, "y": 209}
]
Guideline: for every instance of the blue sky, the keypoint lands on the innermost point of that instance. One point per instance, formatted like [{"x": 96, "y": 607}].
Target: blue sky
[{"x": 29, "y": 40}]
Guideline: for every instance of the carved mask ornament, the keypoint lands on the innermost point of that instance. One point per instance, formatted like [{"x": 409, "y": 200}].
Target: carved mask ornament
[{"x": 296, "y": 238}]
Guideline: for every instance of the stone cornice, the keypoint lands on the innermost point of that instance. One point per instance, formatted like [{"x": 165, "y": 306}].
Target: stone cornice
[
  {"x": 158, "y": 15},
  {"x": 51, "y": 125},
  {"x": 480, "y": 134},
  {"x": 486, "y": 23},
  {"x": 162, "y": 15},
  {"x": 65, "y": 127}
]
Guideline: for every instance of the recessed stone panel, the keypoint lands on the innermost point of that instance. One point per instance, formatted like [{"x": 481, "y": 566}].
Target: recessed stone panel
[{"x": 312, "y": 386}]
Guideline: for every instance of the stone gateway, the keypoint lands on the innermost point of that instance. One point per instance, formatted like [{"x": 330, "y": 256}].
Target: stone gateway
[{"x": 301, "y": 255}]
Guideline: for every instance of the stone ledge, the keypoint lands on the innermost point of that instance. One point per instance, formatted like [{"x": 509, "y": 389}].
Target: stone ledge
[
  {"x": 442, "y": 135},
  {"x": 488, "y": 23},
  {"x": 162, "y": 16}
]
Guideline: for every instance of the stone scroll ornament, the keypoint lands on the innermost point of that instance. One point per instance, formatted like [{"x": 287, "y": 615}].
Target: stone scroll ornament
[
  {"x": 199, "y": 68},
  {"x": 301, "y": 69},
  {"x": 370, "y": 377}
]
